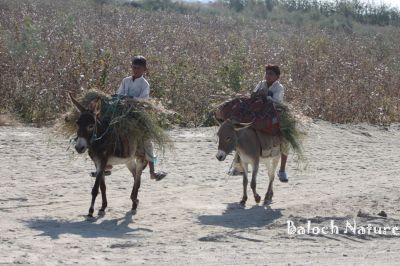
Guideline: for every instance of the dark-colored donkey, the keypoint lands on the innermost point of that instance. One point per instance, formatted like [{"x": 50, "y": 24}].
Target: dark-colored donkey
[
  {"x": 246, "y": 142},
  {"x": 93, "y": 136}
]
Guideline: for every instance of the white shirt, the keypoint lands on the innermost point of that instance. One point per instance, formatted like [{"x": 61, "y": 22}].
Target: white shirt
[
  {"x": 137, "y": 89},
  {"x": 276, "y": 89}
]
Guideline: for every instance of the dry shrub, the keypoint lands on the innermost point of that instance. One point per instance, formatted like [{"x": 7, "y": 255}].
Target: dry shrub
[
  {"x": 48, "y": 48},
  {"x": 7, "y": 120}
]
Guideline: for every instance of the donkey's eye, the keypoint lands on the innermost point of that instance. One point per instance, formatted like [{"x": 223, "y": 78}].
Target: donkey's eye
[
  {"x": 90, "y": 127},
  {"x": 227, "y": 138}
]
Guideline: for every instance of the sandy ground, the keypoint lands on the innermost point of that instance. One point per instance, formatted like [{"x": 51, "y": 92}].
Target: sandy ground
[{"x": 191, "y": 217}]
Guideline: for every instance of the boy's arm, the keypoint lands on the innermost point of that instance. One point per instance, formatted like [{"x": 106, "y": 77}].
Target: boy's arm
[
  {"x": 277, "y": 95},
  {"x": 145, "y": 93},
  {"x": 120, "y": 90},
  {"x": 255, "y": 91}
]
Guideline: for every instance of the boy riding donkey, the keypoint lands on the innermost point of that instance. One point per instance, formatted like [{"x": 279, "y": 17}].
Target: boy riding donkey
[
  {"x": 273, "y": 90},
  {"x": 137, "y": 88}
]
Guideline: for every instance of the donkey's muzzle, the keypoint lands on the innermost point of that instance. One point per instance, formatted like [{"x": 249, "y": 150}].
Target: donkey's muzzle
[
  {"x": 81, "y": 145},
  {"x": 80, "y": 149},
  {"x": 221, "y": 155}
]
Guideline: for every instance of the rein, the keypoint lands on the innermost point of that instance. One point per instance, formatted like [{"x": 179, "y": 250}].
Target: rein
[{"x": 94, "y": 137}]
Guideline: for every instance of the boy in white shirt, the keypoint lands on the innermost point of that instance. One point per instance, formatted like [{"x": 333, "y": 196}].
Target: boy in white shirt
[{"x": 137, "y": 87}]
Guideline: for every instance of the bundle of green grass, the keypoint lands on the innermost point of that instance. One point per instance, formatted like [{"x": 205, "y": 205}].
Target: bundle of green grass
[
  {"x": 289, "y": 128},
  {"x": 142, "y": 119}
]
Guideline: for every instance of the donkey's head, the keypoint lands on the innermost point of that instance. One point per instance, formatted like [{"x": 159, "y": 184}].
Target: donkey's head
[
  {"x": 227, "y": 137},
  {"x": 87, "y": 123}
]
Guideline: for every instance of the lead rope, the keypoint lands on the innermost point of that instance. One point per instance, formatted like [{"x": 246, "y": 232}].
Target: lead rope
[{"x": 94, "y": 135}]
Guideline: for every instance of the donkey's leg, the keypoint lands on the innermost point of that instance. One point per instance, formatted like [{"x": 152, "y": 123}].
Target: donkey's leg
[
  {"x": 132, "y": 168},
  {"x": 135, "y": 191},
  {"x": 272, "y": 165},
  {"x": 245, "y": 182},
  {"x": 253, "y": 183},
  {"x": 100, "y": 166},
  {"x": 95, "y": 191},
  {"x": 140, "y": 164},
  {"x": 136, "y": 169},
  {"x": 103, "y": 197}
]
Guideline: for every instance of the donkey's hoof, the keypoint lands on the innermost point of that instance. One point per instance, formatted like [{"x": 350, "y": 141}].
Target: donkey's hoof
[
  {"x": 242, "y": 203},
  {"x": 257, "y": 198},
  {"x": 90, "y": 214},
  {"x": 268, "y": 197},
  {"x": 102, "y": 212},
  {"x": 267, "y": 201},
  {"x": 135, "y": 204}
]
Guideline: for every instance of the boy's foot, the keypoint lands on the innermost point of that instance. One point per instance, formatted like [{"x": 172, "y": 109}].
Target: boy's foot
[
  {"x": 234, "y": 172},
  {"x": 158, "y": 176},
  {"x": 283, "y": 176}
]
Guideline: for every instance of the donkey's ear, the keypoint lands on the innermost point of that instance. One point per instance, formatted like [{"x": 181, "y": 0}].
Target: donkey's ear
[
  {"x": 76, "y": 103},
  {"x": 217, "y": 118},
  {"x": 239, "y": 126},
  {"x": 95, "y": 106}
]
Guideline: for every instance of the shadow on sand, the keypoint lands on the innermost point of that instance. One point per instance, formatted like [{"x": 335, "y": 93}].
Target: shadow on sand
[
  {"x": 115, "y": 228},
  {"x": 235, "y": 216}
]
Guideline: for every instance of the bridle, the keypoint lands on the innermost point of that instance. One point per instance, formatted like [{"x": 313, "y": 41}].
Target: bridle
[{"x": 97, "y": 122}]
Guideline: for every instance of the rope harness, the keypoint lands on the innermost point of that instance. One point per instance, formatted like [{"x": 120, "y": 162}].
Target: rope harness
[{"x": 113, "y": 103}]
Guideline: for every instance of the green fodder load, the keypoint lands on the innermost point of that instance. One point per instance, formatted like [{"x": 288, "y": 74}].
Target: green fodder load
[
  {"x": 290, "y": 128},
  {"x": 125, "y": 117},
  {"x": 292, "y": 122}
]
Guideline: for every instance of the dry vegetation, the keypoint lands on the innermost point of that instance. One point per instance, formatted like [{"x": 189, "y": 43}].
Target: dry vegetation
[
  {"x": 7, "y": 120},
  {"x": 195, "y": 60}
]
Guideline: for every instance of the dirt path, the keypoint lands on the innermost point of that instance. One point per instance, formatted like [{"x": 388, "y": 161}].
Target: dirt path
[{"x": 191, "y": 217}]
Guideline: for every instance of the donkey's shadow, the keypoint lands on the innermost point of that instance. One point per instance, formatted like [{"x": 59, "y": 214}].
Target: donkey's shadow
[
  {"x": 238, "y": 217},
  {"x": 114, "y": 228}
]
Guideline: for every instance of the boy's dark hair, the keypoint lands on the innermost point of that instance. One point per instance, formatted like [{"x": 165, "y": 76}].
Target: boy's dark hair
[
  {"x": 273, "y": 68},
  {"x": 139, "y": 60}
]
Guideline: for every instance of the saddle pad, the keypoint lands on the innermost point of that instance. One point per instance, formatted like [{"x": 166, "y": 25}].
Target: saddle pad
[{"x": 260, "y": 111}]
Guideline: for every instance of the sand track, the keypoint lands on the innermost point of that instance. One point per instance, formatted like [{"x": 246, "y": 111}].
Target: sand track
[{"x": 192, "y": 215}]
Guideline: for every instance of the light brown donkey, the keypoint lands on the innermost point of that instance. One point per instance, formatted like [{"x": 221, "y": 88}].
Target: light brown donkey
[{"x": 246, "y": 142}]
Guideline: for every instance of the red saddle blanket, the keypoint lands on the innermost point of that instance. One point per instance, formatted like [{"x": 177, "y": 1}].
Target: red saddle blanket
[{"x": 258, "y": 110}]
